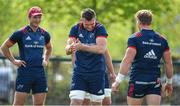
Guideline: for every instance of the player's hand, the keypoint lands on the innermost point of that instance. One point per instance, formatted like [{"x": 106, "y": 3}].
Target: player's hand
[
  {"x": 77, "y": 45},
  {"x": 115, "y": 86},
  {"x": 168, "y": 89},
  {"x": 45, "y": 63},
  {"x": 70, "y": 48},
  {"x": 112, "y": 76},
  {"x": 19, "y": 63}
]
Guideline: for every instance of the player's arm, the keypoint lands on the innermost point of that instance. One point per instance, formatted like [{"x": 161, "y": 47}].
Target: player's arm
[
  {"x": 109, "y": 64},
  {"x": 73, "y": 58},
  {"x": 5, "y": 50},
  {"x": 169, "y": 72},
  {"x": 124, "y": 67},
  {"x": 1, "y": 52},
  {"x": 72, "y": 38},
  {"x": 127, "y": 61},
  {"x": 168, "y": 88},
  {"x": 48, "y": 51},
  {"x": 168, "y": 65},
  {"x": 7, "y": 53},
  {"x": 69, "y": 45},
  {"x": 98, "y": 48}
]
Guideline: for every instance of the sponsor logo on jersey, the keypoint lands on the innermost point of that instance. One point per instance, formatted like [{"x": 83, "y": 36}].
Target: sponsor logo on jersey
[
  {"x": 34, "y": 46},
  {"x": 36, "y": 42},
  {"x": 151, "y": 40},
  {"x": 100, "y": 91},
  {"x": 157, "y": 85},
  {"x": 150, "y": 55},
  {"x": 28, "y": 38},
  {"x": 47, "y": 89},
  {"x": 81, "y": 35},
  {"x": 151, "y": 43},
  {"x": 139, "y": 95},
  {"x": 20, "y": 86}
]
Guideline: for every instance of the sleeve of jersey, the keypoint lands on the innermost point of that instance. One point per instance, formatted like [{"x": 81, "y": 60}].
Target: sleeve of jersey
[
  {"x": 47, "y": 38},
  {"x": 73, "y": 32},
  {"x": 166, "y": 46},
  {"x": 131, "y": 43},
  {"x": 101, "y": 32},
  {"x": 15, "y": 37}
]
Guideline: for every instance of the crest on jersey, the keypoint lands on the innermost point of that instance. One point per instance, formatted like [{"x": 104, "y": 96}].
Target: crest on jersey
[
  {"x": 91, "y": 35},
  {"x": 41, "y": 38}
]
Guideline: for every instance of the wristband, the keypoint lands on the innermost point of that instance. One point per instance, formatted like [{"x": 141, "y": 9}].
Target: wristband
[
  {"x": 120, "y": 78},
  {"x": 169, "y": 81}
]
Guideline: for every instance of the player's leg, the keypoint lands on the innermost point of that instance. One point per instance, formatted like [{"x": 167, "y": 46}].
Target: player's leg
[
  {"x": 78, "y": 89},
  {"x": 107, "y": 92},
  {"x": 19, "y": 98},
  {"x": 96, "y": 88},
  {"x": 134, "y": 101},
  {"x": 153, "y": 96},
  {"x": 23, "y": 86},
  {"x": 96, "y": 99},
  {"x": 39, "y": 99},
  {"x": 87, "y": 100},
  {"x": 107, "y": 99},
  {"x": 39, "y": 87},
  {"x": 136, "y": 93},
  {"x": 153, "y": 99},
  {"x": 77, "y": 97}
]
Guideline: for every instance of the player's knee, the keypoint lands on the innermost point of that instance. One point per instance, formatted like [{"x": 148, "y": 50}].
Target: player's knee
[
  {"x": 97, "y": 98},
  {"x": 86, "y": 102},
  {"x": 18, "y": 103},
  {"x": 76, "y": 102},
  {"x": 38, "y": 102},
  {"x": 107, "y": 101}
]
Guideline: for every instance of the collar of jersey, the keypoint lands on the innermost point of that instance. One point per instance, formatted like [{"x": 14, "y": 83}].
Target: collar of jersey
[
  {"x": 146, "y": 29},
  {"x": 30, "y": 30}
]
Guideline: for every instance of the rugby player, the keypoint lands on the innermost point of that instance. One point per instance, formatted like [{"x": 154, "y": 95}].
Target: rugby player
[
  {"x": 31, "y": 41},
  {"x": 142, "y": 58},
  {"x": 87, "y": 40}
]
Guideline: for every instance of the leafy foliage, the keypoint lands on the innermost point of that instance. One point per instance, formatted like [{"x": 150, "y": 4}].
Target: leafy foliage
[{"x": 116, "y": 15}]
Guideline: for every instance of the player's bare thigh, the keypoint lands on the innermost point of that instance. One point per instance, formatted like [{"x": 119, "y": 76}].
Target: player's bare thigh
[
  {"x": 134, "y": 101},
  {"x": 39, "y": 99},
  {"x": 153, "y": 99},
  {"x": 19, "y": 98}
]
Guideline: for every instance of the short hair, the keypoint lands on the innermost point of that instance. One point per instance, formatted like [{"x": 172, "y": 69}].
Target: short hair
[
  {"x": 88, "y": 14},
  {"x": 144, "y": 17}
]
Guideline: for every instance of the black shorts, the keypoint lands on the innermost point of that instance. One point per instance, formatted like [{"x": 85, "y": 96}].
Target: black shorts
[
  {"x": 31, "y": 79},
  {"x": 139, "y": 89}
]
